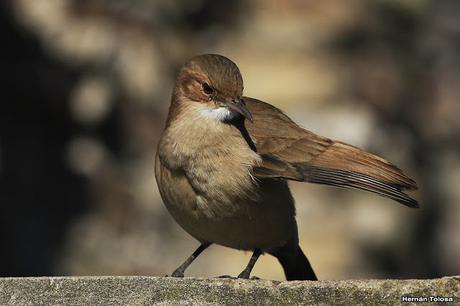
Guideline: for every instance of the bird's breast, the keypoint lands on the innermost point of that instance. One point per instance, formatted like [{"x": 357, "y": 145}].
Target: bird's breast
[
  {"x": 215, "y": 158},
  {"x": 204, "y": 173}
]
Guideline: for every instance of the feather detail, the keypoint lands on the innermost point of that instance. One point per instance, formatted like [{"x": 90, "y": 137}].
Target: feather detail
[
  {"x": 291, "y": 152},
  {"x": 348, "y": 179}
]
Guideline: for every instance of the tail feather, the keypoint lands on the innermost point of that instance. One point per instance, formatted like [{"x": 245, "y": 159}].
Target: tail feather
[{"x": 295, "y": 264}]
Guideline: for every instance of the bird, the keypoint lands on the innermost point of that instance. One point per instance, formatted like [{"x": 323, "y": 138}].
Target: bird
[{"x": 224, "y": 160}]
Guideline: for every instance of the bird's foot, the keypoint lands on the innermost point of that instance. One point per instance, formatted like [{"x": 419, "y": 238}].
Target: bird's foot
[
  {"x": 254, "y": 278},
  {"x": 178, "y": 273},
  {"x": 226, "y": 276},
  {"x": 244, "y": 275}
]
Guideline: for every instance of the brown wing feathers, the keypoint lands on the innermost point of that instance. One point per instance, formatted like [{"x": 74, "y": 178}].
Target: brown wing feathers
[
  {"x": 290, "y": 152},
  {"x": 349, "y": 158}
]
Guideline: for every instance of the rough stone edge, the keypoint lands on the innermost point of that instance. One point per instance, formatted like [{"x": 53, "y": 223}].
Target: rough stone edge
[{"x": 143, "y": 290}]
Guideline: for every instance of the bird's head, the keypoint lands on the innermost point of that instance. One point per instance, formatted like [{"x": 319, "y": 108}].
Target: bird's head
[{"x": 215, "y": 83}]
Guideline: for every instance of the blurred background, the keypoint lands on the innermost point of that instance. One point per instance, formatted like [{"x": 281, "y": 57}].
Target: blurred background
[{"x": 85, "y": 87}]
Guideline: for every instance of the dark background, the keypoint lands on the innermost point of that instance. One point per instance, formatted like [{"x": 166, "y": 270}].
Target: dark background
[{"x": 85, "y": 89}]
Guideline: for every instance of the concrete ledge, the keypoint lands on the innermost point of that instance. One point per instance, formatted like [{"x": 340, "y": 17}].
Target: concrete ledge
[{"x": 135, "y": 290}]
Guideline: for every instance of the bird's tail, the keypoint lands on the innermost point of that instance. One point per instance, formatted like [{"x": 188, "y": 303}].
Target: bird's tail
[{"x": 295, "y": 264}]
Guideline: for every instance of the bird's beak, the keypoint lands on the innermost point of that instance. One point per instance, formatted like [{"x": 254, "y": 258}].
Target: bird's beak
[{"x": 239, "y": 106}]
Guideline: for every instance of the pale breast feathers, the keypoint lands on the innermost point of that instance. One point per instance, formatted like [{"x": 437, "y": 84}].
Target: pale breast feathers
[{"x": 207, "y": 151}]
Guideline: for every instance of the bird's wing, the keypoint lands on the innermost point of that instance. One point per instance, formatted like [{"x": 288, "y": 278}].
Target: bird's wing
[{"x": 291, "y": 152}]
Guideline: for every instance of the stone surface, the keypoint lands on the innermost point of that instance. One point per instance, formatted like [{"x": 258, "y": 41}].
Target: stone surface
[{"x": 138, "y": 290}]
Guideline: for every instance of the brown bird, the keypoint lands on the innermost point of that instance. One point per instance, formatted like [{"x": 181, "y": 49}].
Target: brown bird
[{"x": 223, "y": 163}]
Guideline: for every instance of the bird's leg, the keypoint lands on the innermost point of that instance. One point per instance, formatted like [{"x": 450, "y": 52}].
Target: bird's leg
[
  {"x": 247, "y": 271},
  {"x": 179, "y": 272}
]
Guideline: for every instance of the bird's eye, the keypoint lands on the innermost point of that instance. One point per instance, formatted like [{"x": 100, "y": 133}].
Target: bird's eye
[{"x": 207, "y": 89}]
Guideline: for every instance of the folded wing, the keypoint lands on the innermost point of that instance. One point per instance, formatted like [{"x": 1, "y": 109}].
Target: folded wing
[{"x": 291, "y": 152}]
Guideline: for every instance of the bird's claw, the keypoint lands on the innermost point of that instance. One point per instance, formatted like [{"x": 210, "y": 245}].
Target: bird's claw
[
  {"x": 226, "y": 276},
  {"x": 177, "y": 274},
  {"x": 244, "y": 275}
]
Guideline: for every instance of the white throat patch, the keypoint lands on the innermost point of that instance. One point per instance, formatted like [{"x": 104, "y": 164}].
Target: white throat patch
[{"x": 220, "y": 113}]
